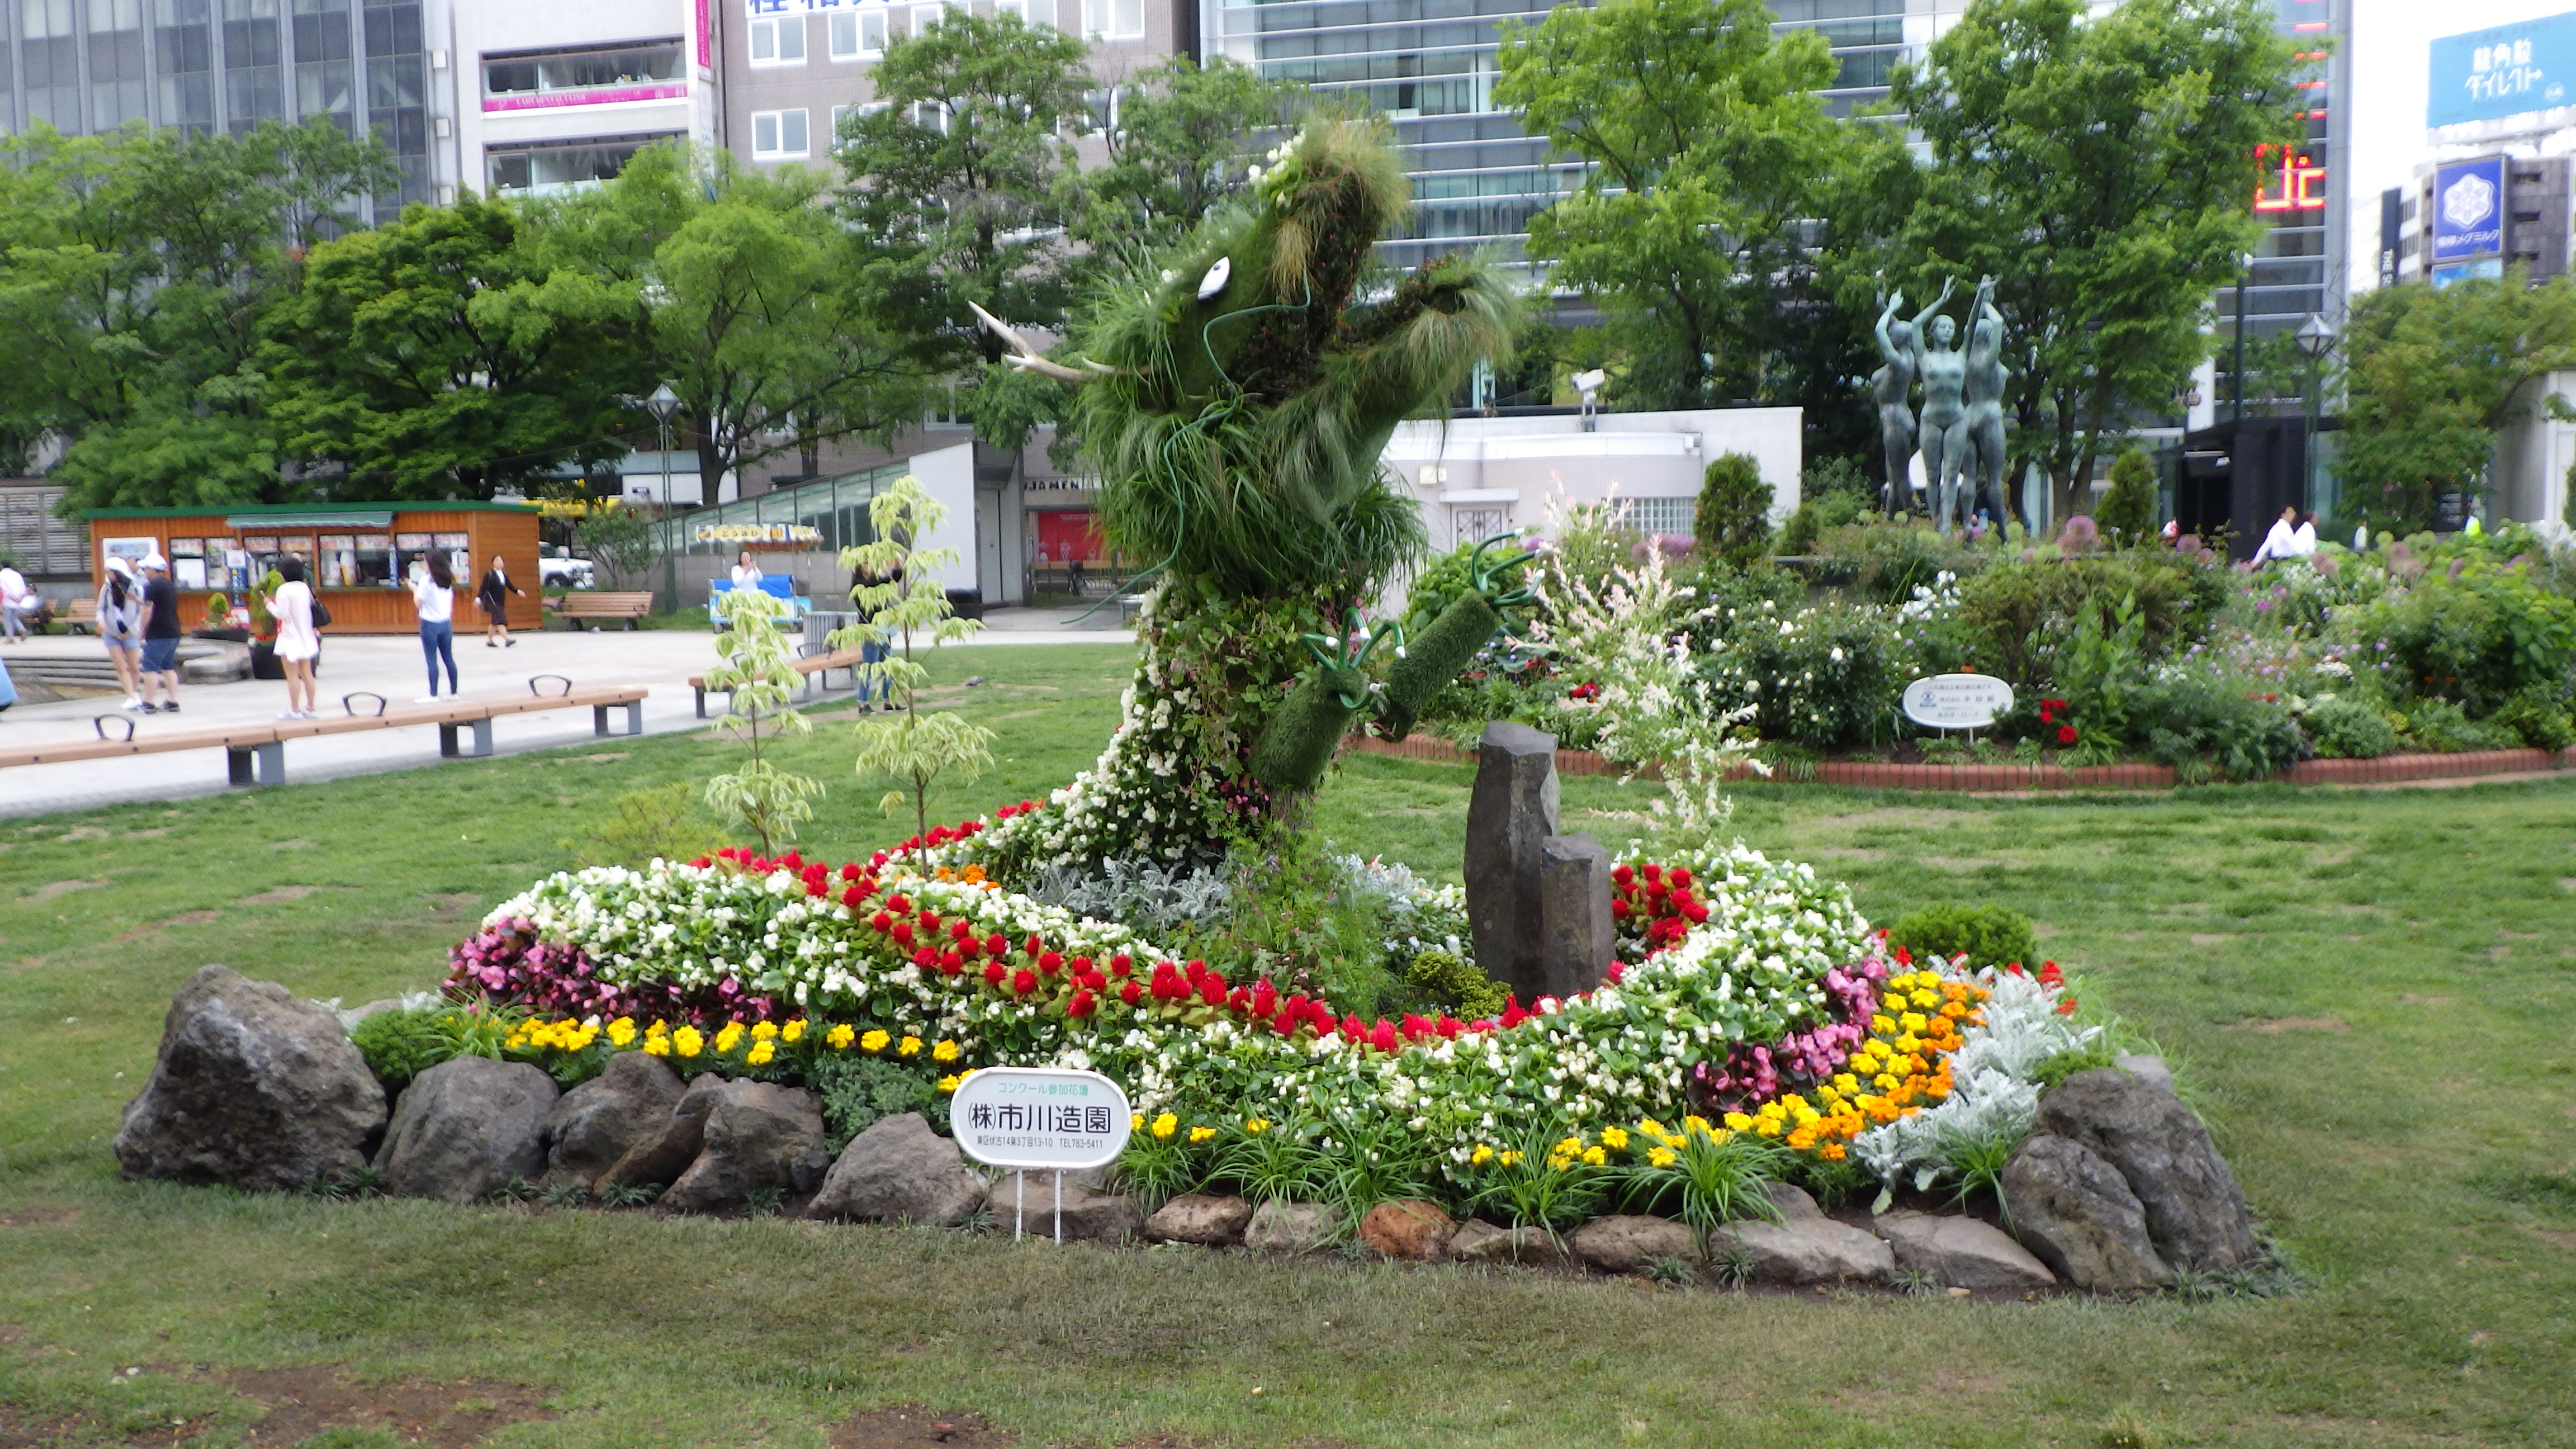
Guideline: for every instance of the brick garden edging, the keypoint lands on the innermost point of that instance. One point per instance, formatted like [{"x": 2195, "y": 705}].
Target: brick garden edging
[{"x": 2387, "y": 769}]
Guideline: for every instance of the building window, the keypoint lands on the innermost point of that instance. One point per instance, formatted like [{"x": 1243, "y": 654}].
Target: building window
[
  {"x": 116, "y": 82},
  {"x": 778, "y": 135},
  {"x": 1038, "y": 13},
  {"x": 254, "y": 63},
  {"x": 1113, "y": 19},
  {"x": 183, "y": 39},
  {"x": 526, "y": 75},
  {"x": 926, "y": 16},
  {"x": 851, "y": 40},
  {"x": 552, "y": 168},
  {"x": 1657, "y": 515},
  {"x": 780, "y": 41}
]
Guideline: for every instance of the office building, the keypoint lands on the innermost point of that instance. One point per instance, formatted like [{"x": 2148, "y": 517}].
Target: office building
[
  {"x": 90, "y": 66},
  {"x": 558, "y": 97}
]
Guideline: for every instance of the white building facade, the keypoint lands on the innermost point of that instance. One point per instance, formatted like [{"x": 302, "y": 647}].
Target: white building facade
[{"x": 557, "y": 97}]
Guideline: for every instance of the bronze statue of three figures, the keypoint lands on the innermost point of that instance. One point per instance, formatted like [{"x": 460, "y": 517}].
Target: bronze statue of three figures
[{"x": 1962, "y": 427}]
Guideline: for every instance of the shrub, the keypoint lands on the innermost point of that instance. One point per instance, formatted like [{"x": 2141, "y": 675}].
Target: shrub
[
  {"x": 1884, "y": 561},
  {"x": 661, "y": 822},
  {"x": 858, "y": 1092},
  {"x": 2016, "y": 615},
  {"x": 1733, "y": 521},
  {"x": 2348, "y": 729},
  {"x": 2128, "y": 511},
  {"x": 400, "y": 1045},
  {"x": 2539, "y": 718},
  {"x": 2480, "y": 635},
  {"x": 1821, "y": 678},
  {"x": 1446, "y": 979},
  {"x": 1986, "y": 935},
  {"x": 2205, "y": 725},
  {"x": 1815, "y": 515},
  {"x": 2443, "y": 727}
]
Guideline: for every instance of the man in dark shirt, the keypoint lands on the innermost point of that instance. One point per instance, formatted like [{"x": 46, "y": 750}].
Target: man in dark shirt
[{"x": 160, "y": 636}]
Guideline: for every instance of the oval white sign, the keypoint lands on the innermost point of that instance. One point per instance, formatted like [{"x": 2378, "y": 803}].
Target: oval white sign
[
  {"x": 1958, "y": 701},
  {"x": 1040, "y": 1117}
]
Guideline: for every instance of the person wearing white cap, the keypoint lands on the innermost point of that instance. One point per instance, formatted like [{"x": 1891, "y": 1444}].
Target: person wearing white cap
[
  {"x": 120, "y": 626},
  {"x": 160, "y": 636}
]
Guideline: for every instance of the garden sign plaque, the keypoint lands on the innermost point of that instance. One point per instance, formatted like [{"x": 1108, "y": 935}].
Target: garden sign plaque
[
  {"x": 1957, "y": 701},
  {"x": 1039, "y": 1118}
]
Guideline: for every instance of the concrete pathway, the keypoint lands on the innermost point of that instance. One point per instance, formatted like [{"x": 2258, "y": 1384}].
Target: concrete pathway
[{"x": 390, "y": 665}]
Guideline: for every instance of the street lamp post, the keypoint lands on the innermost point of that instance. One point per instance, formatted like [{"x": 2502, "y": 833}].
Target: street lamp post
[
  {"x": 2244, "y": 273},
  {"x": 663, "y": 403},
  {"x": 2316, "y": 339}
]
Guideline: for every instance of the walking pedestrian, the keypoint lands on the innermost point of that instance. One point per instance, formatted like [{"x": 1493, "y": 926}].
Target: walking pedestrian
[
  {"x": 299, "y": 641},
  {"x": 494, "y": 596},
  {"x": 160, "y": 636},
  {"x": 120, "y": 627},
  {"x": 17, "y": 601},
  {"x": 433, "y": 596}
]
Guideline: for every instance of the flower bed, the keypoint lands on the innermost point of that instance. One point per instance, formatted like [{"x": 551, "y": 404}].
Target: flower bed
[{"x": 1749, "y": 998}]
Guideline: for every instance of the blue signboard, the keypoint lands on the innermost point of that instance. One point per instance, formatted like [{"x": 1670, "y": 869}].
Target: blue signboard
[
  {"x": 2468, "y": 210},
  {"x": 2486, "y": 75}
]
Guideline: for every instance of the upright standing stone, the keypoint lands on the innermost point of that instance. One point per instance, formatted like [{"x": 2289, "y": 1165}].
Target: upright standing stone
[
  {"x": 1576, "y": 934},
  {"x": 1509, "y": 819}
]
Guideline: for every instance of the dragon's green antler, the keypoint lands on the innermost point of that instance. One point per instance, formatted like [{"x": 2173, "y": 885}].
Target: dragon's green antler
[
  {"x": 1487, "y": 578},
  {"x": 1345, "y": 658}
]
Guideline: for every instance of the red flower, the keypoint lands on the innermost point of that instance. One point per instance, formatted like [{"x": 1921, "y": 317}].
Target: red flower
[
  {"x": 1081, "y": 963},
  {"x": 1620, "y": 908},
  {"x": 1383, "y": 1037},
  {"x": 2066, "y": 734},
  {"x": 1033, "y": 945},
  {"x": 1680, "y": 875},
  {"x": 1617, "y": 970},
  {"x": 902, "y": 932},
  {"x": 881, "y": 921},
  {"x": 1212, "y": 989},
  {"x": 1081, "y": 1005},
  {"x": 1049, "y": 960},
  {"x": 853, "y": 896},
  {"x": 952, "y": 960},
  {"x": 1622, "y": 874},
  {"x": 1697, "y": 912},
  {"x": 2066, "y": 1007},
  {"x": 993, "y": 972},
  {"x": 994, "y": 945},
  {"x": 898, "y": 904},
  {"x": 1024, "y": 981},
  {"x": 959, "y": 930},
  {"x": 1121, "y": 964},
  {"x": 1130, "y": 992},
  {"x": 702, "y": 862}
]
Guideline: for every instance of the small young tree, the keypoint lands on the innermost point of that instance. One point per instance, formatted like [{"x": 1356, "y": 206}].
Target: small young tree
[
  {"x": 621, "y": 537},
  {"x": 758, "y": 676},
  {"x": 903, "y": 602},
  {"x": 2128, "y": 511},
  {"x": 1733, "y": 521}
]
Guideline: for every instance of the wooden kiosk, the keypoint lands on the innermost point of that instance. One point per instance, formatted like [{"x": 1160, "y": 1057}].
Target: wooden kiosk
[{"x": 356, "y": 555}]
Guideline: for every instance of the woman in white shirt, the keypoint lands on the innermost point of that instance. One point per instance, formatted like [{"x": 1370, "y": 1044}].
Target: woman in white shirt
[
  {"x": 298, "y": 642},
  {"x": 433, "y": 595},
  {"x": 2283, "y": 540},
  {"x": 746, "y": 574}
]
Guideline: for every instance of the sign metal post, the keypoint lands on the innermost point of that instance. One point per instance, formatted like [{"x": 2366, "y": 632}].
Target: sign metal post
[{"x": 1054, "y": 1119}]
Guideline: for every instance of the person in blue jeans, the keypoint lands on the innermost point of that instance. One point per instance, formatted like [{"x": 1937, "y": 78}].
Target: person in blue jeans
[{"x": 433, "y": 595}]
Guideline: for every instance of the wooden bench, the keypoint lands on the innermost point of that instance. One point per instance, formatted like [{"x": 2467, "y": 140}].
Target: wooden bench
[
  {"x": 256, "y": 754},
  {"x": 80, "y": 615},
  {"x": 819, "y": 660},
  {"x": 588, "y": 605}
]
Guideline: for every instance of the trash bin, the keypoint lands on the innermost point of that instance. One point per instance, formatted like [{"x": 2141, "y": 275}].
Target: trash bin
[{"x": 820, "y": 623}]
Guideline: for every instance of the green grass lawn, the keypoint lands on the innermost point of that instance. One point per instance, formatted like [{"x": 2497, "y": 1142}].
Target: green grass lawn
[{"x": 2370, "y": 994}]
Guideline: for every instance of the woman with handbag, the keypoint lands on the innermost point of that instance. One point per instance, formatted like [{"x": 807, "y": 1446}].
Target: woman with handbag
[{"x": 494, "y": 595}]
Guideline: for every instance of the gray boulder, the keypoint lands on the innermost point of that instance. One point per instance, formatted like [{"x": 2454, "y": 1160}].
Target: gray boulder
[
  {"x": 1281, "y": 1226},
  {"x": 600, "y": 1121},
  {"x": 1791, "y": 1201},
  {"x": 1482, "y": 1242},
  {"x": 252, "y": 1088},
  {"x": 1209, "y": 1221},
  {"x": 465, "y": 1127},
  {"x": 757, "y": 1135},
  {"x": 1510, "y": 814},
  {"x": 2195, "y": 1211},
  {"x": 1090, "y": 1216},
  {"x": 1578, "y": 935},
  {"x": 900, "y": 1171},
  {"x": 1802, "y": 1250},
  {"x": 2076, "y": 1212},
  {"x": 1622, "y": 1243},
  {"x": 1961, "y": 1252},
  {"x": 658, "y": 1158}
]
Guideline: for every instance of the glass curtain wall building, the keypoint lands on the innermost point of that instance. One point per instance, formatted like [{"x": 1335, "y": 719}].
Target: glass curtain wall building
[
  {"x": 2304, "y": 202},
  {"x": 1430, "y": 66},
  {"x": 89, "y": 66}
]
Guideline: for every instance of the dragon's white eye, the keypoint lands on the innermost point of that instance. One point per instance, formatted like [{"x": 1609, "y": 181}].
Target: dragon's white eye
[{"x": 1214, "y": 281}]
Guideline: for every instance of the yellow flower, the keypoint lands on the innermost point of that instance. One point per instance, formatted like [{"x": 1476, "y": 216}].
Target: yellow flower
[
  {"x": 793, "y": 1031},
  {"x": 1767, "y": 1126},
  {"x": 728, "y": 1038},
  {"x": 1661, "y": 1157},
  {"x": 764, "y": 1032},
  {"x": 1135, "y": 1121},
  {"x": 874, "y": 1041},
  {"x": 1926, "y": 999},
  {"x": 1508, "y": 1158},
  {"x": 1482, "y": 1155},
  {"x": 1883, "y": 1025},
  {"x": 1653, "y": 1128},
  {"x": 1614, "y": 1138},
  {"x": 911, "y": 1047},
  {"x": 621, "y": 1031},
  {"x": 657, "y": 1046},
  {"x": 949, "y": 1083},
  {"x": 946, "y": 1051},
  {"x": 1846, "y": 1083},
  {"x": 1596, "y": 1156},
  {"x": 1201, "y": 1134},
  {"x": 1166, "y": 1125},
  {"x": 1254, "y": 1127},
  {"x": 1735, "y": 1122},
  {"x": 658, "y": 1028},
  {"x": 840, "y": 1037},
  {"x": 761, "y": 1052},
  {"x": 687, "y": 1040}
]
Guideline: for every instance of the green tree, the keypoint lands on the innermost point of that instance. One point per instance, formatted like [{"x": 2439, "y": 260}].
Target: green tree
[
  {"x": 136, "y": 273},
  {"x": 1709, "y": 154},
  {"x": 2100, "y": 167},
  {"x": 759, "y": 679},
  {"x": 900, "y": 594},
  {"x": 2430, "y": 376},
  {"x": 1733, "y": 520},
  {"x": 2128, "y": 511},
  {"x": 622, "y": 535},
  {"x": 442, "y": 356},
  {"x": 955, "y": 193},
  {"x": 755, "y": 301},
  {"x": 1181, "y": 147}
]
